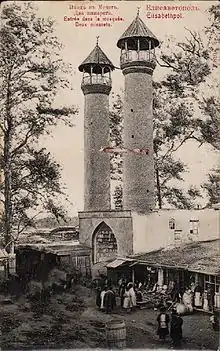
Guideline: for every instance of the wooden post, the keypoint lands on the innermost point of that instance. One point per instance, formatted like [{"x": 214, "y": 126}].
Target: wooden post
[
  {"x": 133, "y": 275},
  {"x": 126, "y": 50},
  {"x": 149, "y": 50},
  {"x": 91, "y": 74},
  {"x": 138, "y": 47}
]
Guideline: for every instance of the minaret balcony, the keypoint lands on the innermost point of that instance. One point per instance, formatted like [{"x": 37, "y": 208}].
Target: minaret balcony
[
  {"x": 147, "y": 58},
  {"x": 97, "y": 80}
]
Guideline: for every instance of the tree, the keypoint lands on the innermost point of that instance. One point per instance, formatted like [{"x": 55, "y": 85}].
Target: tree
[
  {"x": 173, "y": 126},
  {"x": 179, "y": 99},
  {"x": 32, "y": 74},
  {"x": 210, "y": 127},
  {"x": 212, "y": 187}
]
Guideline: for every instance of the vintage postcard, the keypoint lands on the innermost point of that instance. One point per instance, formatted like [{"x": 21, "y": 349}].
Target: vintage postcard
[{"x": 110, "y": 175}]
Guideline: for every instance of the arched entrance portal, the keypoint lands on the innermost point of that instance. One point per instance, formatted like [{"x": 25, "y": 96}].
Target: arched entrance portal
[{"x": 104, "y": 244}]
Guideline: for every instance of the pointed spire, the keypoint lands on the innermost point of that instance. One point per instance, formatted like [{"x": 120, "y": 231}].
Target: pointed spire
[
  {"x": 96, "y": 57},
  {"x": 138, "y": 29}
]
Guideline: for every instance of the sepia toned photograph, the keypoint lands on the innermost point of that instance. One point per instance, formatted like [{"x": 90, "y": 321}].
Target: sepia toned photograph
[{"x": 109, "y": 175}]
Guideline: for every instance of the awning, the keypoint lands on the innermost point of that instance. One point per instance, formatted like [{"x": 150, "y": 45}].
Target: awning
[{"x": 116, "y": 263}]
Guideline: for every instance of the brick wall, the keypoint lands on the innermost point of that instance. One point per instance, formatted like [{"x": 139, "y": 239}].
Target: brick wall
[
  {"x": 138, "y": 173},
  {"x": 96, "y": 163}
]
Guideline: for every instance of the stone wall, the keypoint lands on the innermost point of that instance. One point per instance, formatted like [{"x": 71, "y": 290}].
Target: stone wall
[{"x": 120, "y": 222}]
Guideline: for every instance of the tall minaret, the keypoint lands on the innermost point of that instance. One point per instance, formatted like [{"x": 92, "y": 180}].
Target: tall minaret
[
  {"x": 96, "y": 86},
  {"x": 137, "y": 46}
]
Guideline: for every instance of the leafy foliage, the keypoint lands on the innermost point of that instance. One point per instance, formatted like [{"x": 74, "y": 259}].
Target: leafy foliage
[
  {"x": 32, "y": 75},
  {"x": 212, "y": 186}
]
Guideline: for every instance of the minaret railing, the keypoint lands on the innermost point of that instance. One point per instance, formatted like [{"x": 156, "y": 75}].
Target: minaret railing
[
  {"x": 96, "y": 79},
  {"x": 130, "y": 56}
]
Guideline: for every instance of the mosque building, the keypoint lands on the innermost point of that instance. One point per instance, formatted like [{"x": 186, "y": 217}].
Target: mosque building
[{"x": 139, "y": 228}]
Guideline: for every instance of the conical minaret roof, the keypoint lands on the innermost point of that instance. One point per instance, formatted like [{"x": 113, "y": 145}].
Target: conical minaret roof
[
  {"x": 96, "y": 57},
  {"x": 138, "y": 29}
]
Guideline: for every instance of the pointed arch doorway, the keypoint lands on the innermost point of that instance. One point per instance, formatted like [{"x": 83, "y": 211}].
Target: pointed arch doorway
[{"x": 104, "y": 244}]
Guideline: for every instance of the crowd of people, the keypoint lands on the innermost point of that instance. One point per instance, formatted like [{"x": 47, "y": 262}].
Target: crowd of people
[{"x": 128, "y": 292}]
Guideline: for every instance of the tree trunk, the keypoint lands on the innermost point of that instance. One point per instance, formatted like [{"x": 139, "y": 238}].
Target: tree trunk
[
  {"x": 7, "y": 225},
  {"x": 7, "y": 192},
  {"x": 158, "y": 188}
]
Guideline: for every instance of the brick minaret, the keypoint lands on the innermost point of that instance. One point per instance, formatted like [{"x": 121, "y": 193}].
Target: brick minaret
[
  {"x": 96, "y": 86},
  {"x": 137, "y": 46}
]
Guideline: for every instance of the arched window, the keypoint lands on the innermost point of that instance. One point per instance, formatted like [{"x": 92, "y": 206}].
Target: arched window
[{"x": 104, "y": 244}]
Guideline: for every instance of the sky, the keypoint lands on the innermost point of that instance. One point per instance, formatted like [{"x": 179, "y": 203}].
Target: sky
[{"x": 66, "y": 144}]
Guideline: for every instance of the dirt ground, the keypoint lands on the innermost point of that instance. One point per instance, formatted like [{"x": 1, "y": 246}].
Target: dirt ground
[
  {"x": 141, "y": 328},
  {"x": 71, "y": 320}
]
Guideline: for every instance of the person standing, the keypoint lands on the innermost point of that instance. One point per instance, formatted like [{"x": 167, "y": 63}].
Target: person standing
[
  {"x": 175, "y": 293},
  {"x": 198, "y": 296},
  {"x": 132, "y": 295},
  {"x": 176, "y": 329},
  {"x": 210, "y": 297},
  {"x": 109, "y": 300},
  {"x": 214, "y": 319},
  {"x": 188, "y": 300},
  {"x": 98, "y": 297},
  {"x": 163, "y": 324},
  {"x": 121, "y": 292},
  {"x": 102, "y": 296},
  {"x": 127, "y": 300}
]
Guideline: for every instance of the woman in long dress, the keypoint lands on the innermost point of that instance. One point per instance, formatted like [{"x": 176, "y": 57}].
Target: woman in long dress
[
  {"x": 198, "y": 296},
  {"x": 187, "y": 300},
  {"x": 132, "y": 295},
  {"x": 127, "y": 300}
]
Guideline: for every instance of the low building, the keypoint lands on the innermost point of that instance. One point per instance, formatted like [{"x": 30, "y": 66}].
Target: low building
[
  {"x": 115, "y": 234},
  {"x": 35, "y": 261},
  {"x": 197, "y": 262}
]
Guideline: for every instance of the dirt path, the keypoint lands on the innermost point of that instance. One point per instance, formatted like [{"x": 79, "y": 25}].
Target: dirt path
[
  {"x": 72, "y": 320},
  {"x": 141, "y": 328}
]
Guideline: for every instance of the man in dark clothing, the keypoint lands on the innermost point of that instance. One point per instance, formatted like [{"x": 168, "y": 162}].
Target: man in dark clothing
[
  {"x": 121, "y": 292},
  {"x": 98, "y": 297},
  {"x": 163, "y": 323},
  {"x": 210, "y": 297},
  {"x": 109, "y": 300},
  {"x": 176, "y": 329}
]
